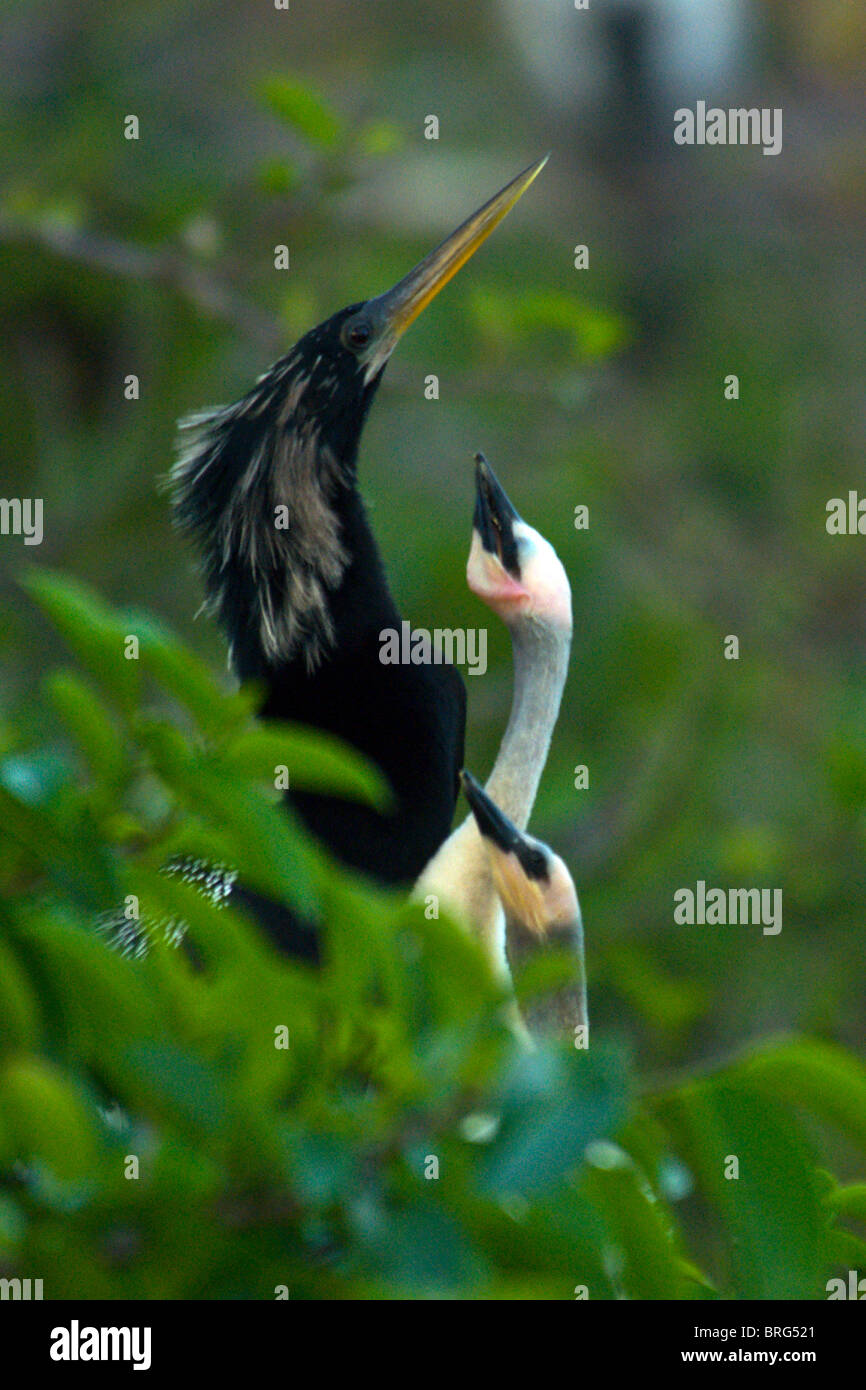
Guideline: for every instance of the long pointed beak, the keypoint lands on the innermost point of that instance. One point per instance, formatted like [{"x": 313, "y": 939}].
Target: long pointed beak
[
  {"x": 401, "y": 305},
  {"x": 495, "y": 517},
  {"x": 520, "y": 865},
  {"x": 493, "y": 824}
]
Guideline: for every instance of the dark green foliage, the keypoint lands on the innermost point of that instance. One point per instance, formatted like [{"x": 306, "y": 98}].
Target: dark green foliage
[{"x": 401, "y": 1145}]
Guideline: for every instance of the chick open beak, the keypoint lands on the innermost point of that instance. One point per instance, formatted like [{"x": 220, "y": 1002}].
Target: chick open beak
[{"x": 495, "y": 517}]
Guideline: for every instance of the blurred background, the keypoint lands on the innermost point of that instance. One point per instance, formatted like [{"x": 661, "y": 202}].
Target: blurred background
[{"x": 601, "y": 387}]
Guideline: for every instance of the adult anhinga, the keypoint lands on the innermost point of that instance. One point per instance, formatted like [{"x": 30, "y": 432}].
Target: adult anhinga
[
  {"x": 541, "y": 911},
  {"x": 303, "y": 605},
  {"x": 519, "y": 575}
]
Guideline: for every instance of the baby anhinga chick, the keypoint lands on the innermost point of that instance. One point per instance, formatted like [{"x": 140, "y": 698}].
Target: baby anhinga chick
[
  {"x": 541, "y": 910},
  {"x": 517, "y": 574}
]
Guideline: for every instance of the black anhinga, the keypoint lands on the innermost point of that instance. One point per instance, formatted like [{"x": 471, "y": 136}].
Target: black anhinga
[{"x": 303, "y": 605}]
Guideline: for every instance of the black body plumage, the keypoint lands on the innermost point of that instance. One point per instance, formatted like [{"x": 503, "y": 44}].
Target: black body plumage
[{"x": 303, "y": 604}]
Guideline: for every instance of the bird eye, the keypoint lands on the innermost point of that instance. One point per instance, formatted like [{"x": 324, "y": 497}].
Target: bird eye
[
  {"x": 535, "y": 865},
  {"x": 358, "y": 334}
]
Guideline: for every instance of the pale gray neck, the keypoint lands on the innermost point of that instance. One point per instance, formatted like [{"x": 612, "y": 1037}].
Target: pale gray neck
[
  {"x": 556, "y": 1014},
  {"x": 540, "y": 669}
]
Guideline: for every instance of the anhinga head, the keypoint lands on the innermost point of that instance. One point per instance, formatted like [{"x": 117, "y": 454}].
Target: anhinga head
[
  {"x": 264, "y": 485},
  {"x": 511, "y": 566},
  {"x": 534, "y": 886}
]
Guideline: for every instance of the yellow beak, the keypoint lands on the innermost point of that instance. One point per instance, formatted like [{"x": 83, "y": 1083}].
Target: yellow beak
[{"x": 401, "y": 305}]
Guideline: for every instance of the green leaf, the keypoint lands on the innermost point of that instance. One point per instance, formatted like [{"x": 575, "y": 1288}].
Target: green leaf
[
  {"x": 771, "y": 1214},
  {"x": 34, "y": 778},
  {"x": 90, "y": 726},
  {"x": 380, "y": 138},
  {"x": 95, "y": 994},
  {"x": 165, "y": 899},
  {"x": 421, "y": 1249},
  {"x": 96, "y": 634},
  {"x": 645, "y": 1256},
  {"x": 302, "y": 109},
  {"x": 552, "y": 1105},
  {"x": 844, "y": 1248},
  {"x": 315, "y": 761},
  {"x": 45, "y": 1118},
  {"x": 849, "y": 1201},
  {"x": 277, "y": 177},
  {"x": 267, "y": 846},
  {"x": 543, "y": 972},
  {"x": 511, "y": 317},
  {"x": 69, "y": 850},
  {"x": 817, "y": 1077},
  {"x": 19, "y": 1011},
  {"x": 188, "y": 1088},
  {"x": 192, "y": 683},
  {"x": 448, "y": 978}
]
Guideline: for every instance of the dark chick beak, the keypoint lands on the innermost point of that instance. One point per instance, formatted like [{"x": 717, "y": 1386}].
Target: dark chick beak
[
  {"x": 495, "y": 517},
  {"x": 400, "y": 306},
  {"x": 495, "y": 826}
]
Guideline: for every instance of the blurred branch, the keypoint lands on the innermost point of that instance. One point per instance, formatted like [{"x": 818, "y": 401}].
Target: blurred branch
[
  {"x": 168, "y": 269},
  {"x": 165, "y": 268}
]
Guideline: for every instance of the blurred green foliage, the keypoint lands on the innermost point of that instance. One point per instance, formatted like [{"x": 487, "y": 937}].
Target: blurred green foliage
[{"x": 225, "y": 1123}]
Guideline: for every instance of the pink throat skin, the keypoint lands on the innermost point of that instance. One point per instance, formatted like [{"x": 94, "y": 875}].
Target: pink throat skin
[{"x": 541, "y": 593}]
